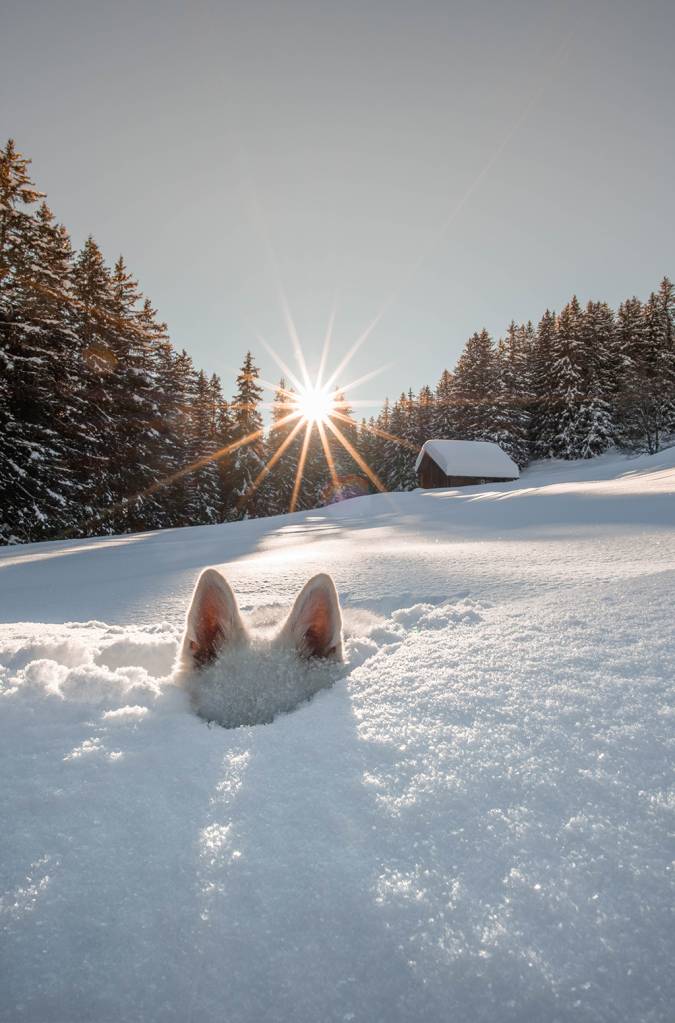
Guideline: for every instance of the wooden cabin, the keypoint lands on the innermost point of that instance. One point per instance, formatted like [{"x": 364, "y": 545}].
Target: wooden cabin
[{"x": 463, "y": 463}]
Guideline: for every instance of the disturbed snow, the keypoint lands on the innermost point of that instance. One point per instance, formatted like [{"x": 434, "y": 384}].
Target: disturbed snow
[{"x": 474, "y": 822}]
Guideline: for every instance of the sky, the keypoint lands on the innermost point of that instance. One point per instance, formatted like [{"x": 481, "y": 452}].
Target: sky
[{"x": 442, "y": 165}]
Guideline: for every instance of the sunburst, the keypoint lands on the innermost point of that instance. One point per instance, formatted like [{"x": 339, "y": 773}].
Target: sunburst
[
  {"x": 315, "y": 404},
  {"x": 312, "y": 404}
]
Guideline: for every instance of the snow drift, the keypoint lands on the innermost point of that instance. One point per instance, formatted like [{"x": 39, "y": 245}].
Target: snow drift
[{"x": 473, "y": 822}]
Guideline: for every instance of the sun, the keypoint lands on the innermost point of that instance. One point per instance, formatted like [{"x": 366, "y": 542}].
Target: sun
[{"x": 315, "y": 404}]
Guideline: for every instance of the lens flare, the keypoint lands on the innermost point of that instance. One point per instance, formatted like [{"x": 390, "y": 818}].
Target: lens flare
[
  {"x": 309, "y": 405},
  {"x": 315, "y": 404}
]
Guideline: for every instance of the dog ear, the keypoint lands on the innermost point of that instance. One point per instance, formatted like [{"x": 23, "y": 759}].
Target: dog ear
[
  {"x": 314, "y": 626},
  {"x": 213, "y": 620}
]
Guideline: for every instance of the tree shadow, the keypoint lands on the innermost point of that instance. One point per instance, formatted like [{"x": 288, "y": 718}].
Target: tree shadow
[{"x": 141, "y": 577}]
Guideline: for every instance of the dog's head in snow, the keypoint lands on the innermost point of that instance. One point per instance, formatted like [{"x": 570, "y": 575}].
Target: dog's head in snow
[{"x": 237, "y": 676}]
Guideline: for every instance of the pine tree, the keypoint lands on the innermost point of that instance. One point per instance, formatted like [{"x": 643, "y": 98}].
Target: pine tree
[
  {"x": 277, "y": 488},
  {"x": 399, "y": 458},
  {"x": 164, "y": 439},
  {"x": 425, "y": 416},
  {"x": 513, "y": 413},
  {"x": 595, "y": 422},
  {"x": 648, "y": 393},
  {"x": 477, "y": 389},
  {"x": 444, "y": 419},
  {"x": 315, "y": 482},
  {"x": 543, "y": 426},
  {"x": 374, "y": 438},
  {"x": 368, "y": 446},
  {"x": 17, "y": 192},
  {"x": 223, "y": 426},
  {"x": 204, "y": 487},
  {"x": 132, "y": 466},
  {"x": 180, "y": 492},
  {"x": 37, "y": 492},
  {"x": 92, "y": 318},
  {"x": 347, "y": 469},
  {"x": 568, "y": 381},
  {"x": 249, "y": 458}
]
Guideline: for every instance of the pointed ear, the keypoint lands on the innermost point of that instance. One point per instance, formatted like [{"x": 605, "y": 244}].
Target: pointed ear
[
  {"x": 314, "y": 626},
  {"x": 213, "y": 620}
]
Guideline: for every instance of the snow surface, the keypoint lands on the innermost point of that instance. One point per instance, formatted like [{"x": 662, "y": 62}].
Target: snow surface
[
  {"x": 469, "y": 458},
  {"x": 474, "y": 823}
]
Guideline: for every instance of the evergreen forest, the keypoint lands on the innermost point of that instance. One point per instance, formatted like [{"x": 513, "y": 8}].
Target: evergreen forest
[{"x": 106, "y": 428}]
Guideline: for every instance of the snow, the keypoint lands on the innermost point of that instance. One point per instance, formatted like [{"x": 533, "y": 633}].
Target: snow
[
  {"x": 469, "y": 458},
  {"x": 473, "y": 822}
]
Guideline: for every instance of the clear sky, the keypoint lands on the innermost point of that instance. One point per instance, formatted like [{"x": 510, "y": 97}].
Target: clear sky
[{"x": 464, "y": 163}]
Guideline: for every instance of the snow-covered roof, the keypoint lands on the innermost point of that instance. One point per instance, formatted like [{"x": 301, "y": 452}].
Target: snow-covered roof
[{"x": 469, "y": 458}]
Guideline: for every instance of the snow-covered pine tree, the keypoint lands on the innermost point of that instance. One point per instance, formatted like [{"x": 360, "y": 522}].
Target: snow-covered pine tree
[
  {"x": 379, "y": 441},
  {"x": 92, "y": 322},
  {"x": 164, "y": 437},
  {"x": 567, "y": 384},
  {"x": 367, "y": 445},
  {"x": 203, "y": 486},
  {"x": 411, "y": 436},
  {"x": 425, "y": 416},
  {"x": 477, "y": 389},
  {"x": 371, "y": 444},
  {"x": 179, "y": 491},
  {"x": 542, "y": 428},
  {"x": 223, "y": 425},
  {"x": 629, "y": 329},
  {"x": 595, "y": 418},
  {"x": 399, "y": 458},
  {"x": 248, "y": 459},
  {"x": 346, "y": 467},
  {"x": 444, "y": 419},
  {"x": 315, "y": 479},
  {"x": 648, "y": 395},
  {"x": 132, "y": 466},
  {"x": 511, "y": 426},
  {"x": 276, "y": 489},
  {"x": 38, "y": 493},
  {"x": 18, "y": 195}
]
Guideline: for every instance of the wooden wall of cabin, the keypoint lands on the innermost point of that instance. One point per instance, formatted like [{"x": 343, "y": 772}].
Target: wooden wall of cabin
[{"x": 431, "y": 476}]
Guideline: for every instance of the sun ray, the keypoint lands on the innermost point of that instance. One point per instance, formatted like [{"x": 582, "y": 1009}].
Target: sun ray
[
  {"x": 199, "y": 463},
  {"x": 359, "y": 403},
  {"x": 366, "y": 376},
  {"x": 276, "y": 387},
  {"x": 288, "y": 373},
  {"x": 380, "y": 433},
  {"x": 266, "y": 469},
  {"x": 326, "y": 344},
  {"x": 362, "y": 464},
  {"x": 301, "y": 468},
  {"x": 354, "y": 349},
  {"x": 295, "y": 340},
  {"x": 273, "y": 264}
]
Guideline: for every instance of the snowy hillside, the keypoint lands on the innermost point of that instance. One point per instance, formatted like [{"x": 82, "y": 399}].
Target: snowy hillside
[{"x": 475, "y": 823}]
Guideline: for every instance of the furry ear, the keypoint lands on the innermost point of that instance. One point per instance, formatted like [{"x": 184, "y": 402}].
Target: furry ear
[
  {"x": 213, "y": 620},
  {"x": 314, "y": 626}
]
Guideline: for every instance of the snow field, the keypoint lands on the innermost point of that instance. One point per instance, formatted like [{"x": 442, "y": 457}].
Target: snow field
[{"x": 475, "y": 822}]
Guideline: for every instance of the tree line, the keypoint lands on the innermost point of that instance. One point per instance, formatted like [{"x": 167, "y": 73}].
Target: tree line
[
  {"x": 579, "y": 382},
  {"x": 106, "y": 428}
]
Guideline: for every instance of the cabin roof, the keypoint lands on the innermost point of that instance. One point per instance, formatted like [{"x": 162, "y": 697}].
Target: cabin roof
[{"x": 469, "y": 458}]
